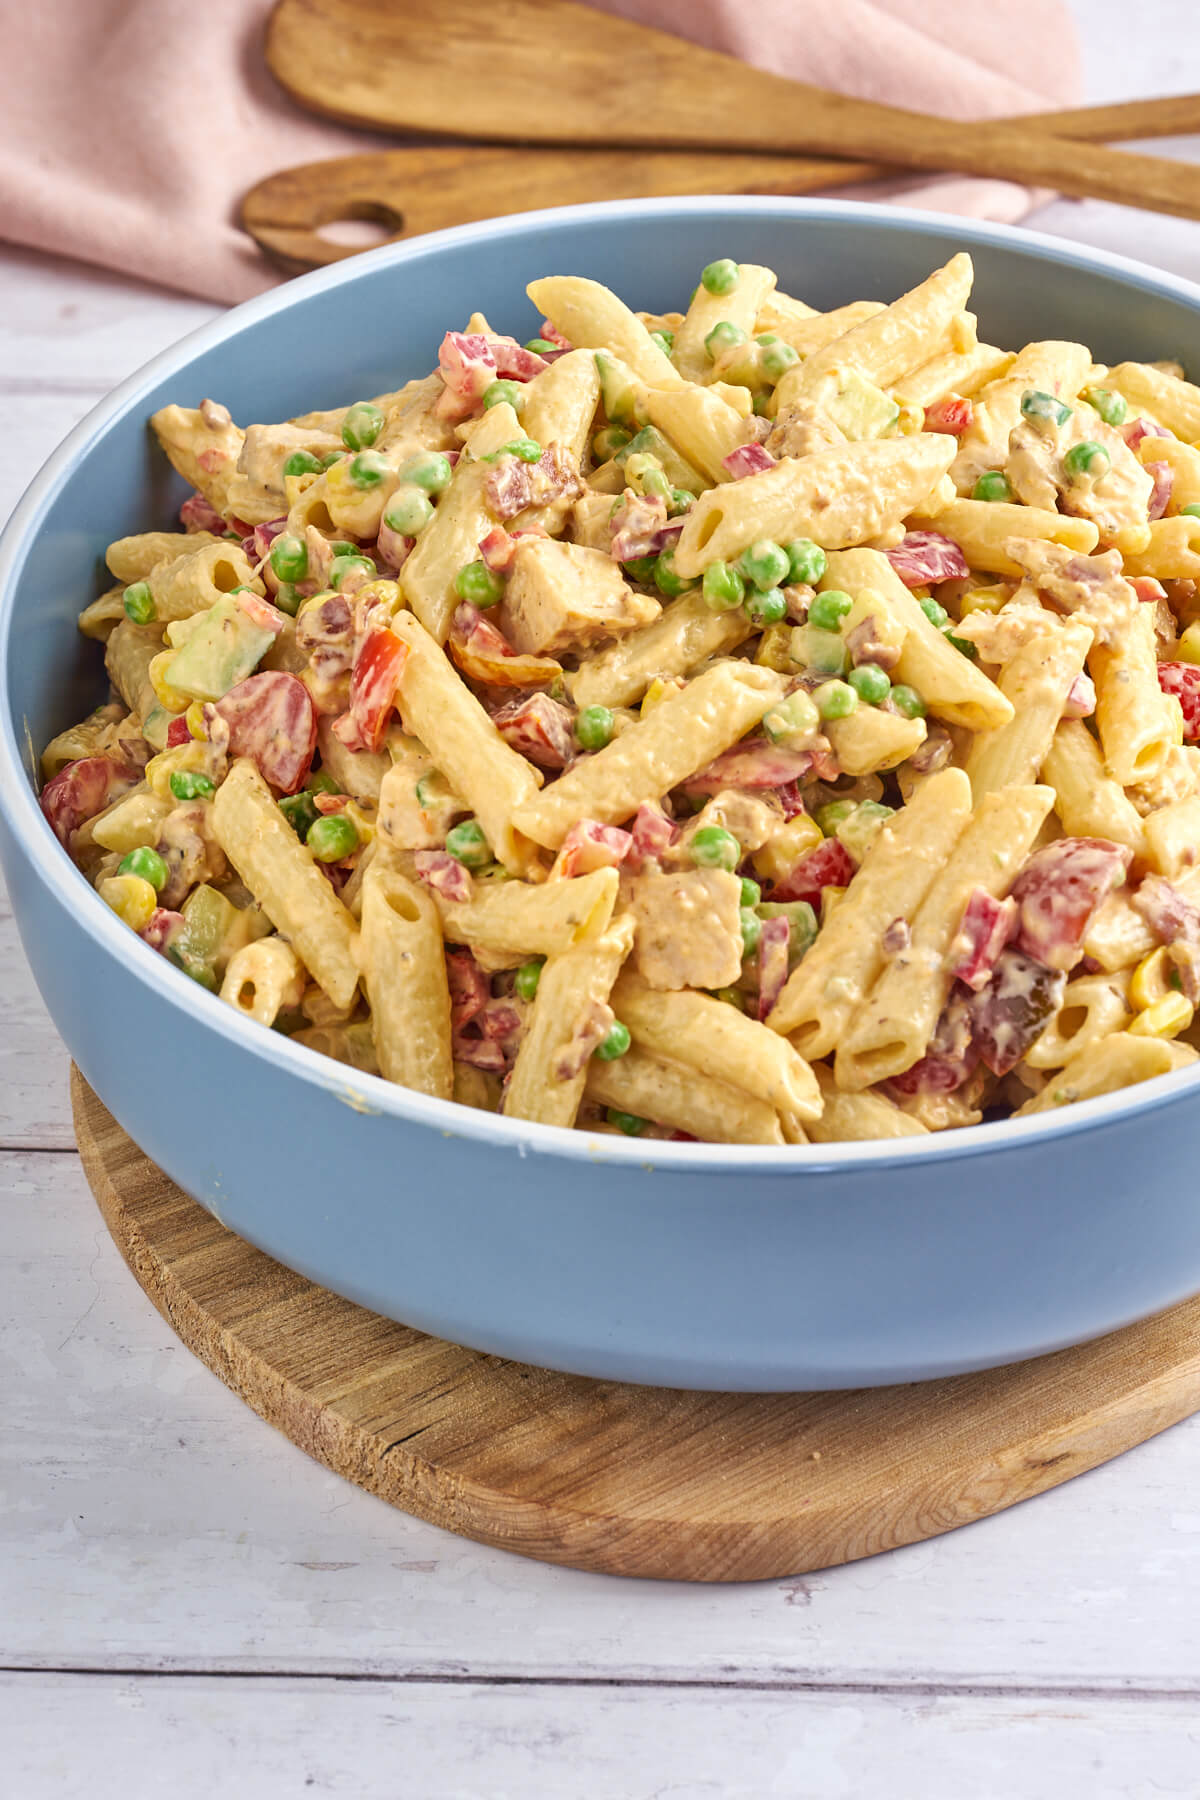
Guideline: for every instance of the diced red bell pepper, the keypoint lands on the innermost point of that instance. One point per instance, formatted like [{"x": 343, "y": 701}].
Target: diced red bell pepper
[
  {"x": 828, "y": 865},
  {"x": 987, "y": 924},
  {"x": 1183, "y": 680},
  {"x": 747, "y": 459},
  {"x": 952, "y": 415}
]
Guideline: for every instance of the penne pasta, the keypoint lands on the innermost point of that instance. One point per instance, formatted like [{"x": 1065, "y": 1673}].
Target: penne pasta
[
  {"x": 672, "y": 1094},
  {"x": 404, "y": 974}
]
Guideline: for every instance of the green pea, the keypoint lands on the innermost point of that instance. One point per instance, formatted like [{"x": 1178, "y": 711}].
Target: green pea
[
  {"x": 828, "y": 610},
  {"x": 343, "y": 547},
  {"x": 723, "y": 336},
  {"x": 408, "y": 511},
  {"x": 1110, "y": 406},
  {"x": 777, "y": 360},
  {"x": 731, "y": 996},
  {"x": 665, "y": 341},
  {"x": 479, "y": 585},
  {"x": 525, "y": 982},
  {"x": 641, "y": 569},
  {"x": 1043, "y": 409},
  {"x": 138, "y": 602},
  {"x": 300, "y": 812},
  {"x": 186, "y": 784},
  {"x": 332, "y": 837},
  {"x": 760, "y": 406},
  {"x": 751, "y": 926},
  {"x": 302, "y": 462},
  {"x": 615, "y": 1042},
  {"x": 430, "y": 471},
  {"x": 287, "y": 598},
  {"x": 666, "y": 578},
  {"x": 681, "y": 501},
  {"x": 289, "y": 557},
  {"x": 723, "y": 587},
  {"x": 361, "y": 425},
  {"x": 993, "y": 484},
  {"x": 765, "y": 563},
  {"x": 368, "y": 468},
  {"x": 907, "y": 702},
  {"x": 751, "y": 892},
  {"x": 806, "y": 561},
  {"x": 606, "y": 443},
  {"x": 343, "y": 566},
  {"x": 504, "y": 393},
  {"x": 655, "y": 483},
  {"x": 629, "y": 1123},
  {"x": 528, "y": 449},
  {"x": 330, "y": 457},
  {"x": 964, "y": 646},
  {"x": 767, "y": 609},
  {"x": 836, "y": 700},
  {"x": 835, "y": 813},
  {"x": 468, "y": 845},
  {"x": 766, "y": 337},
  {"x": 1087, "y": 461},
  {"x": 147, "y": 863},
  {"x": 594, "y": 727},
  {"x": 870, "y": 683},
  {"x": 1192, "y": 511},
  {"x": 321, "y": 783},
  {"x": 934, "y": 611},
  {"x": 793, "y": 721},
  {"x": 720, "y": 277},
  {"x": 712, "y": 847},
  {"x": 539, "y": 346}
]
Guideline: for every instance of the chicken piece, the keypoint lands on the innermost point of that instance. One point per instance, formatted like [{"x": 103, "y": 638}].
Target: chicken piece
[
  {"x": 591, "y": 521},
  {"x": 748, "y": 818},
  {"x": 689, "y": 931},
  {"x": 1118, "y": 499},
  {"x": 256, "y": 491},
  {"x": 564, "y": 596},
  {"x": 803, "y": 428},
  {"x": 1091, "y": 588}
]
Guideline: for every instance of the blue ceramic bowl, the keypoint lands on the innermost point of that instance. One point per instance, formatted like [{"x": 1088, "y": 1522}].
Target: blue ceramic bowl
[{"x": 681, "y": 1264}]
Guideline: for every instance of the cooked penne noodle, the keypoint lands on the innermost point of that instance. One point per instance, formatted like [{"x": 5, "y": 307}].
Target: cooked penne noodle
[
  {"x": 1052, "y": 366},
  {"x": 1093, "y": 1008},
  {"x": 1089, "y": 802},
  {"x": 1137, "y": 722},
  {"x": 856, "y": 1118},
  {"x": 1168, "y": 400},
  {"x": 685, "y": 635},
  {"x": 980, "y": 528},
  {"x": 263, "y": 979},
  {"x": 701, "y": 424},
  {"x": 673, "y": 1094},
  {"x": 738, "y": 305},
  {"x": 1118, "y": 1061},
  {"x": 510, "y": 919},
  {"x": 132, "y": 558},
  {"x": 904, "y": 335},
  {"x": 551, "y": 1069},
  {"x": 961, "y": 372},
  {"x": 1036, "y": 682},
  {"x": 404, "y": 974},
  {"x": 591, "y": 316}
]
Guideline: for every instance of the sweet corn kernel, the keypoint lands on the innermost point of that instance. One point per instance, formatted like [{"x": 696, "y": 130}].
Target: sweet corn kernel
[
  {"x": 1165, "y": 1019},
  {"x": 1188, "y": 647},
  {"x": 364, "y": 818},
  {"x": 1151, "y": 980},
  {"x": 658, "y": 690},
  {"x": 780, "y": 855},
  {"x": 131, "y": 898},
  {"x": 172, "y": 698},
  {"x": 195, "y": 720},
  {"x": 911, "y": 420},
  {"x": 831, "y": 897},
  {"x": 160, "y": 768},
  {"x": 983, "y": 599},
  {"x": 774, "y": 649}
]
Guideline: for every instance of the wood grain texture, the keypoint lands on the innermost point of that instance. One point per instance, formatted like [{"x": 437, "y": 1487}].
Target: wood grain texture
[
  {"x": 428, "y": 187},
  {"x": 372, "y": 62},
  {"x": 627, "y": 1480}
]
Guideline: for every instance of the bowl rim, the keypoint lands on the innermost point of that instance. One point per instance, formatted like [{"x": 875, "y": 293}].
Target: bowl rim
[{"x": 371, "y": 1095}]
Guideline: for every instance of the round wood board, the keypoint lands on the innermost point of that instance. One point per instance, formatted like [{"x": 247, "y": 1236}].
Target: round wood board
[{"x": 600, "y": 1475}]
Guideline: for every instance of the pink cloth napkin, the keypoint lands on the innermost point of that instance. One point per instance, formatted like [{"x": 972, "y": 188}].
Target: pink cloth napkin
[{"x": 130, "y": 129}]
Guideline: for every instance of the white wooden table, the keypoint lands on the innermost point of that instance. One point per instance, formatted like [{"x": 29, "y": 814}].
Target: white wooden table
[{"x": 188, "y": 1606}]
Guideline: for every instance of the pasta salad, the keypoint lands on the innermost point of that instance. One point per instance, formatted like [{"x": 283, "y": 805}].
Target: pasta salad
[{"x": 749, "y": 724}]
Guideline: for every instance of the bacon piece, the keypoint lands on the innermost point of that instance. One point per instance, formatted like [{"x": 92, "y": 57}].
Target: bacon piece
[
  {"x": 924, "y": 556},
  {"x": 1148, "y": 590},
  {"x": 754, "y": 763},
  {"x": 986, "y": 927},
  {"x": 550, "y": 334},
  {"x": 590, "y": 1030},
  {"x": 511, "y": 485},
  {"x": 1134, "y": 430},
  {"x": 1163, "y": 476},
  {"x": 482, "y": 651},
  {"x": 263, "y": 536},
  {"x": 393, "y": 547},
  {"x": 1014, "y": 1008},
  {"x": 162, "y": 925},
  {"x": 636, "y": 524},
  {"x": 772, "y": 962},
  {"x": 539, "y": 728},
  {"x": 444, "y": 874},
  {"x": 499, "y": 1021},
  {"x": 479, "y": 1053},
  {"x": 933, "y": 754},
  {"x": 199, "y": 514},
  {"x": 1081, "y": 700},
  {"x": 467, "y": 363},
  {"x": 272, "y": 720},
  {"x": 330, "y": 803},
  {"x": 747, "y": 459},
  {"x": 261, "y": 613},
  {"x": 514, "y": 361},
  {"x": 1059, "y": 891},
  {"x": 652, "y": 832},
  {"x": 374, "y": 682},
  {"x": 1176, "y": 923},
  {"x": 589, "y": 845},
  {"x": 952, "y": 415},
  {"x": 1183, "y": 680},
  {"x": 866, "y": 646},
  {"x": 829, "y": 865},
  {"x": 83, "y": 789},
  {"x": 177, "y": 734},
  {"x": 470, "y": 989},
  {"x": 950, "y": 1059}
]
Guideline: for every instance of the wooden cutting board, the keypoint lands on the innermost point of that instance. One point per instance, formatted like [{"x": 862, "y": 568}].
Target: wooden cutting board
[{"x": 627, "y": 1480}]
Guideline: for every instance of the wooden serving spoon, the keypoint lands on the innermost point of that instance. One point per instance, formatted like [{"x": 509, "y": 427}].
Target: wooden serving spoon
[
  {"x": 424, "y": 188},
  {"x": 549, "y": 71}
]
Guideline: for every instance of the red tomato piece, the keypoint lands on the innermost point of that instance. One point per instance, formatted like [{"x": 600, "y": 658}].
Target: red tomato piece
[
  {"x": 829, "y": 865},
  {"x": 1058, "y": 893},
  {"x": 374, "y": 683},
  {"x": 1183, "y": 680},
  {"x": 272, "y": 720},
  {"x": 986, "y": 927},
  {"x": 177, "y": 733},
  {"x": 83, "y": 789},
  {"x": 952, "y": 415}
]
